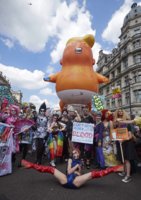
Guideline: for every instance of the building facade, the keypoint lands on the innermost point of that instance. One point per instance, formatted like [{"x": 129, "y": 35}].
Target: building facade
[
  {"x": 6, "y": 92},
  {"x": 123, "y": 66},
  {"x": 18, "y": 96}
]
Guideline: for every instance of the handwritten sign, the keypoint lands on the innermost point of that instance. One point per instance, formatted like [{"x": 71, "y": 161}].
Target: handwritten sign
[
  {"x": 120, "y": 134},
  {"x": 83, "y": 133}
]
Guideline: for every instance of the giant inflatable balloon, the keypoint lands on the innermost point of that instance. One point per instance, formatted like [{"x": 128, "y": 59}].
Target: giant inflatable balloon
[{"x": 77, "y": 82}]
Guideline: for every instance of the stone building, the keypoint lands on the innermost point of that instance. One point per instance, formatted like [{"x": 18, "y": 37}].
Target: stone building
[
  {"x": 123, "y": 66},
  {"x": 6, "y": 92},
  {"x": 18, "y": 95}
]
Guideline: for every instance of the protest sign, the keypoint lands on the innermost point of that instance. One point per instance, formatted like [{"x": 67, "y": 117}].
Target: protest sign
[
  {"x": 119, "y": 134},
  {"x": 83, "y": 133},
  {"x": 6, "y": 147}
]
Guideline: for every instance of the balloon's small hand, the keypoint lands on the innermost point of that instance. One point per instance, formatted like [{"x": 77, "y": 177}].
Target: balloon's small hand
[{"x": 47, "y": 79}]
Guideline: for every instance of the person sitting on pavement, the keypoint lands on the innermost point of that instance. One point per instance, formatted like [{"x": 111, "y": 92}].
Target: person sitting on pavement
[{"x": 73, "y": 179}]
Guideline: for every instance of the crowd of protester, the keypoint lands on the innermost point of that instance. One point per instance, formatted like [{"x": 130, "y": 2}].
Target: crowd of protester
[{"x": 50, "y": 138}]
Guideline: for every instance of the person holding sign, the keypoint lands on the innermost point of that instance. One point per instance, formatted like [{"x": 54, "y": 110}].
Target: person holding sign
[
  {"x": 125, "y": 146},
  {"x": 87, "y": 148},
  {"x": 73, "y": 179}
]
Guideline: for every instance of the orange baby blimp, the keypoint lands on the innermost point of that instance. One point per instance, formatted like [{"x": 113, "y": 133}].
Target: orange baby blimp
[{"x": 77, "y": 82}]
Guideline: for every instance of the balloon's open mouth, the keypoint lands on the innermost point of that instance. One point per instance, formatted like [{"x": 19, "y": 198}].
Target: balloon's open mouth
[{"x": 78, "y": 50}]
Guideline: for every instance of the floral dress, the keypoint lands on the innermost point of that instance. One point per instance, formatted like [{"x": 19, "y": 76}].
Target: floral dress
[{"x": 109, "y": 148}]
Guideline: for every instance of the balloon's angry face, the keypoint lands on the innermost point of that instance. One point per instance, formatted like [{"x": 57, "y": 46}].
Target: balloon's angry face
[
  {"x": 77, "y": 53},
  {"x": 78, "y": 50}
]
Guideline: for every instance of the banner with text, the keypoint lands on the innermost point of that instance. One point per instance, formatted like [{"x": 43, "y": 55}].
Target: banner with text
[
  {"x": 83, "y": 133},
  {"x": 6, "y": 147}
]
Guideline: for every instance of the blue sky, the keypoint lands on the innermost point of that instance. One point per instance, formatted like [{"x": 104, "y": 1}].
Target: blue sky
[{"x": 33, "y": 37}]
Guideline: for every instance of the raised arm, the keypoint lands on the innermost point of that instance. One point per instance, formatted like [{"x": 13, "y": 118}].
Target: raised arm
[
  {"x": 52, "y": 78},
  {"x": 102, "y": 79}
]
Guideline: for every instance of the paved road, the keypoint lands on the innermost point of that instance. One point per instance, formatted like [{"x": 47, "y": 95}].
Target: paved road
[{"x": 25, "y": 184}]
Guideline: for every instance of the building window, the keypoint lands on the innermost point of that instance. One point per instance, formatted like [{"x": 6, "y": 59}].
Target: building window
[
  {"x": 108, "y": 103},
  {"x": 105, "y": 69},
  {"x": 119, "y": 70},
  {"x": 127, "y": 98},
  {"x": 105, "y": 59},
  {"x": 137, "y": 58},
  {"x": 112, "y": 85},
  {"x": 113, "y": 74},
  {"x": 137, "y": 31},
  {"x": 125, "y": 37},
  {"x": 134, "y": 77},
  {"x": 101, "y": 91},
  {"x": 127, "y": 80},
  {"x": 137, "y": 94},
  {"x": 119, "y": 102},
  {"x": 137, "y": 44},
  {"x": 113, "y": 103},
  {"x": 125, "y": 50},
  {"x": 125, "y": 63},
  {"x": 139, "y": 78},
  {"x": 119, "y": 83},
  {"x": 107, "y": 90}
]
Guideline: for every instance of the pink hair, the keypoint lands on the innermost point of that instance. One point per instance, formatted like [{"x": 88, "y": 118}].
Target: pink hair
[{"x": 16, "y": 108}]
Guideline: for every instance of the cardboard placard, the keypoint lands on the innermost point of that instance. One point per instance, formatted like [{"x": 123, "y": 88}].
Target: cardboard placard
[{"x": 120, "y": 134}]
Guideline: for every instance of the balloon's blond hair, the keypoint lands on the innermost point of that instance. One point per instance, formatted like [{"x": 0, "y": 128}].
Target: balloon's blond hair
[{"x": 89, "y": 39}]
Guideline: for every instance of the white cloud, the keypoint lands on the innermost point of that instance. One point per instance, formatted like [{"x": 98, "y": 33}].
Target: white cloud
[
  {"x": 50, "y": 70},
  {"x": 23, "y": 78},
  {"x": 32, "y": 26},
  {"x": 112, "y": 31},
  {"x": 47, "y": 91},
  {"x": 8, "y": 43},
  {"x": 75, "y": 21},
  {"x": 37, "y": 101}
]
